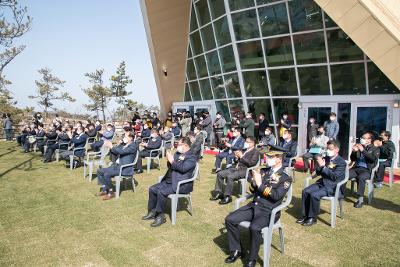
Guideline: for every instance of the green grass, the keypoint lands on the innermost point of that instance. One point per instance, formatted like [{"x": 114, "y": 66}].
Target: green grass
[{"x": 50, "y": 217}]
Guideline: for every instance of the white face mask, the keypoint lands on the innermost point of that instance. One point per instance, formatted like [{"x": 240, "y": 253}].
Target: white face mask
[
  {"x": 246, "y": 146},
  {"x": 285, "y": 136},
  {"x": 271, "y": 162},
  {"x": 267, "y": 133},
  {"x": 311, "y": 121},
  {"x": 179, "y": 149},
  {"x": 363, "y": 141},
  {"x": 125, "y": 140},
  {"x": 330, "y": 153},
  {"x": 285, "y": 117},
  {"x": 332, "y": 118}
]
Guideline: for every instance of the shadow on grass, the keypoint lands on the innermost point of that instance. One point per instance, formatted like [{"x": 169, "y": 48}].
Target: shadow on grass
[
  {"x": 25, "y": 165},
  {"x": 9, "y": 151}
]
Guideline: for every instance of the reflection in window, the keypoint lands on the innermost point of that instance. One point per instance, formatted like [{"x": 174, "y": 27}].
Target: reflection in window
[
  {"x": 348, "y": 79},
  {"x": 273, "y": 20},
  {"x": 310, "y": 48},
  {"x": 290, "y": 106},
  {"x": 341, "y": 47},
  {"x": 255, "y": 83},
  {"x": 283, "y": 82},
  {"x": 217, "y": 85},
  {"x": 262, "y": 2},
  {"x": 256, "y": 106},
  {"x": 329, "y": 23},
  {"x": 378, "y": 82},
  {"x": 208, "y": 37},
  {"x": 314, "y": 80},
  {"x": 305, "y": 15},
  {"x": 193, "y": 21},
  {"x": 201, "y": 66},
  {"x": 222, "y": 31},
  {"x": 217, "y": 8},
  {"x": 206, "y": 89},
  {"x": 196, "y": 43},
  {"x": 245, "y": 25},
  {"x": 222, "y": 106},
  {"x": 187, "y": 96},
  {"x": 250, "y": 54},
  {"x": 239, "y": 4},
  {"x": 278, "y": 51},
  {"x": 232, "y": 85},
  {"x": 236, "y": 106},
  {"x": 213, "y": 63},
  {"x": 202, "y": 12},
  {"x": 195, "y": 90},
  {"x": 227, "y": 58},
  {"x": 190, "y": 71},
  {"x": 189, "y": 55}
]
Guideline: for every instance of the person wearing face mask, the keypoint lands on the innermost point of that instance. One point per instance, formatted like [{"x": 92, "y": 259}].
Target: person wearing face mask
[
  {"x": 176, "y": 131},
  {"x": 243, "y": 160},
  {"x": 312, "y": 129},
  {"x": 248, "y": 125},
  {"x": 263, "y": 124},
  {"x": 63, "y": 138},
  {"x": 332, "y": 170},
  {"x": 185, "y": 123},
  {"x": 146, "y": 132},
  {"x": 231, "y": 146},
  {"x": 106, "y": 135},
  {"x": 206, "y": 125},
  {"x": 387, "y": 150},
  {"x": 288, "y": 145},
  {"x": 269, "y": 187},
  {"x": 126, "y": 152},
  {"x": 285, "y": 124},
  {"x": 317, "y": 146},
  {"x": 197, "y": 139},
  {"x": 268, "y": 138},
  {"x": 154, "y": 142},
  {"x": 181, "y": 166},
  {"x": 364, "y": 157},
  {"x": 331, "y": 127},
  {"x": 218, "y": 126},
  {"x": 168, "y": 121},
  {"x": 78, "y": 141}
]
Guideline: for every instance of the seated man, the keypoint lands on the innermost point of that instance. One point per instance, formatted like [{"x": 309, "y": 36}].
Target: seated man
[
  {"x": 180, "y": 168},
  {"x": 364, "y": 157},
  {"x": 387, "y": 149},
  {"x": 30, "y": 138},
  {"x": 40, "y": 138},
  {"x": 197, "y": 139},
  {"x": 153, "y": 143},
  {"x": 268, "y": 138},
  {"x": 90, "y": 131},
  {"x": 176, "y": 130},
  {"x": 318, "y": 144},
  {"x": 126, "y": 152},
  {"x": 269, "y": 188},
  {"x": 235, "y": 144},
  {"x": 288, "y": 145},
  {"x": 64, "y": 137},
  {"x": 246, "y": 159},
  {"x": 146, "y": 132},
  {"x": 332, "y": 170},
  {"x": 78, "y": 141},
  {"x": 167, "y": 136},
  {"x": 108, "y": 135}
]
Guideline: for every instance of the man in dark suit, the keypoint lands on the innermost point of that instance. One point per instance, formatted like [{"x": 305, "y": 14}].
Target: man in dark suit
[
  {"x": 126, "y": 152},
  {"x": 40, "y": 138},
  {"x": 288, "y": 145},
  {"x": 332, "y": 170},
  {"x": 197, "y": 139},
  {"x": 269, "y": 187},
  {"x": 78, "y": 141},
  {"x": 206, "y": 125},
  {"x": 154, "y": 142},
  {"x": 236, "y": 144},
  {"x": 180, "y": 168},
  {"x": 387, "y": 150},
  {"x": 244, "y": 160},
  {"x": 364, "y": 157},
  {"x": 262, "y": 126}
]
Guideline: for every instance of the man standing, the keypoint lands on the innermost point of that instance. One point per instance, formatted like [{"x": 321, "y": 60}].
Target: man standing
[
  {"x": 248, "y": 125},
  {"x": 180, "y": 168},
  {"x": 331, "y": 127},
  {"x": 269, "y": 187},
  {"x": 7, "y": 124},
  {"x": 387, "y": 150},
  {"x": 219, "y": 125},
  {"x": 197, "y": 139},
  {"x": 332, "y": 170},
  {"x": 206, "y": 125},
  {"x": 312, "y": 129},
  {"x": 262, "y": 126}
]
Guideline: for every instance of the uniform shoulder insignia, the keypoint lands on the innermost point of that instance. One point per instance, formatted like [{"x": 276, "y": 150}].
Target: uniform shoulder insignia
[
  {"x": 182, "y": 157},
  {"x": 286, "y": 185},
  {"x": 331, "y": 165},
  {"x": 266, "y": 191}
]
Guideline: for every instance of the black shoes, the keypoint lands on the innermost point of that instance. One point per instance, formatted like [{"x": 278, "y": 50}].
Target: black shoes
[
  {"x": 250, "y": 263},
  {"x": 150, "y": 216},
  {"x": 139, "y": 171},
  {"x": 302, "y": 220},
  {"x": 160, "y": 219},
  {"x": 217, "y": 196},
  {"x": 233, "y": 256},
  {"x": 358, "y": 204},
  {"x": 225, "y": 200},
  {"x": 309, "y": 222}
]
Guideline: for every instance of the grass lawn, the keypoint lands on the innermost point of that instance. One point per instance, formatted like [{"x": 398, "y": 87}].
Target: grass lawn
[{"x": 49, "y": 216}]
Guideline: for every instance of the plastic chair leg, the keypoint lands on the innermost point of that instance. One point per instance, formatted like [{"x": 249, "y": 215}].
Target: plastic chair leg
[
  {"x": 133, "y": 184},
  {"x": 84, "y": 170},
  {"x": 282, "y": 239},
  {"x": 71, "y": 162},
  {"x": 57, "y": 155},
  {"x": 333, "y": 213},
  {"x": 148, "y": 164},
  {"x": 174, "y": 207},
  {"x": 370, "y": 192},
  {"x": 190, "y": 207},
  {"x": 267, "y": 248},
  {"x": 117, "y": 186},
  {"x": 91, "y": 171},
  {"x": 341, "y": 208}
]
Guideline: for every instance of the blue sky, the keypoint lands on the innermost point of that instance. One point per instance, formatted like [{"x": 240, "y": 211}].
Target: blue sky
[{"x": 74, "y": 37}]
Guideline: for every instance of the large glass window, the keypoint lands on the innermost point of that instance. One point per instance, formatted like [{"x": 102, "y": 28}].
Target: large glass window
[
  {"x": 189, "y": 54},
  {"x": 187, "y": 96},
  {"x": 218, "y": 88},
  {"x": 239, "y": 4},
  {"x": 262, "y": 2},
  {"x": 222, "y": 31},
  {"x": 289, "y": 105},
  {"x": 227, "y": 58},
  {"x": 195, "y": 42},
  {"x": 273, "y": 20},
  {"x": 305, "y": 15},
  {"x": 232, "y": 85},
  {"x": 255, "y": 83},
  {"x": 208, "y": 37},
  {"x": 341, "y": 47},
  {"x": 256, "y": 106},
  {"x": 191, "y": 72},
  {"x": 195, "y": 90},
  {"x": 348, "y": 79},
  {"x": 236, "y": 106},
  {"x": 223, "y": 107},
  {"x": 245, "y": 25},
  {"x": 193, "y": 21},
  {"x": 201, "y": 66},
  {"x": 310, "y": 48},
  {"x": 250, "y": 54},
  {"x": 213, "y": 63},
  {"x": 202, "y": 12},
  {"x": 314, "y": 80},
  {"x": 283, "y": 82},
  {"x": 206, "y": 89},
  {"x": 378, "y": 82},
  {"x": 278, "y": 51},
  {"x": 217, "y": 8}
]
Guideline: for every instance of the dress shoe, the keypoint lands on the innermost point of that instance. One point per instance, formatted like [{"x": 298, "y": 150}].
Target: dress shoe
[
  {"x": 139, "y": 171},
  {"x": 109, "y": 196},
  {"x": 217, "y": 196},
  {"x": 309, "y": 222},
  {"x": 302, "y": 220},
  {"x": 225, "y": 200},
  {"x": 100, "y": 194},
  {"x": 160, "y": 219},
  {"x": 358, "y": 204},
  {"x": 250, "y": 263},
  {"x": 233, "y": 256},
  {"x": 149, "y": 216}
]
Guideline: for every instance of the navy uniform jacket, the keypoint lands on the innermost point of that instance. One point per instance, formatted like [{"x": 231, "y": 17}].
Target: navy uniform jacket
[
  {"x": 332, "y": 173},
  {"x": 270, "y": 193},
  {"x": 167, "y": 137},
  {"x": 51, "y": 137},
  {"x": 181, "y": 169},
  {"x": 386, "y": 150},
  {"x": 176, "y": 131},
  {"x": 41, "y": 134},
  {"x": 196, "y": 145},
  {"x": 126, "y": 155},
  {"x": 79, "y": 141},
  {"x": 370, "y": 153},
  {"x": 98, "y": 127},
  {"x": 91, "y": 133},
  {"x": 146, "y": 133},
  {"x": 154, "y": 143},
  {"x": 238, "y": 145},
  {"x": 290, "y": 149}
]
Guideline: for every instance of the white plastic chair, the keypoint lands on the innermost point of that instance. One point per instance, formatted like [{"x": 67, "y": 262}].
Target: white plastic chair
[
  {"x": 58, "y": 150},
  {"x": 154, "y": 157},
  {"x": 175, "y": 197},
  {"x": 334, "y": 200},
  {"x": 94, "y": 159},
  {"x": 267, "y": 231},
  {"x": 72, "y": 156},
  {"x": 391, "y": 170},
  {"x": 120, "y": 177},
  {"x": 370, "y": 184},
  {"x": 164, "y": 149},
  {"x": 243, "y": 181}
]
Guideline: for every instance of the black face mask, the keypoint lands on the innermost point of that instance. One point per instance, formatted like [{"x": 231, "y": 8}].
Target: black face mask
[{"x": 127, "y": 128}]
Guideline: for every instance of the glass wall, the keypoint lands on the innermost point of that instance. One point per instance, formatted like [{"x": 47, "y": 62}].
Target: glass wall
[{"x": 262, "y": 55}]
